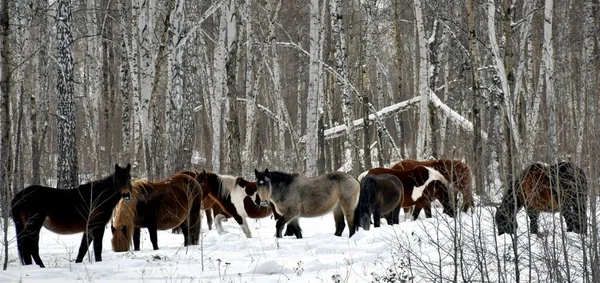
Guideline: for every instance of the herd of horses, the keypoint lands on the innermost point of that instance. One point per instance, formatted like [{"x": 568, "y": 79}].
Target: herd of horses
[{"x": 177, "y": 202}]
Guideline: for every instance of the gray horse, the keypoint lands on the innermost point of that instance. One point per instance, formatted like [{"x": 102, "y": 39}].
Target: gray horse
[{"x": 295, "y": 196}]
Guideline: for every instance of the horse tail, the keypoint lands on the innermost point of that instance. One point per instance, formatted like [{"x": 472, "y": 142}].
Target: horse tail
[
  {"x": 19, "y": 227},
  {"x": 362, "y": 175},
  {"x": 362, "y": 214}
]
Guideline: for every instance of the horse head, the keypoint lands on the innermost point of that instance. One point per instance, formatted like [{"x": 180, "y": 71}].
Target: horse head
[
  {"x": 444, "y": 195},
  {"x": 506, "y": 218},
  {"x": 120, "y": 241},
  {"x": 122, "y": 181},
  {"x": 263, "y": 185}
]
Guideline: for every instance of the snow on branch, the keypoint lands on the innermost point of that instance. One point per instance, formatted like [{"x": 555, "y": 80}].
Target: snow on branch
[
  {"x": 455, "y": 116},
  {"x": 339, "y": 130}
]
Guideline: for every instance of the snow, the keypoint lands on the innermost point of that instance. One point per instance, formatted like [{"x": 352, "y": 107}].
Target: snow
[{"x": 421, "y": 249}]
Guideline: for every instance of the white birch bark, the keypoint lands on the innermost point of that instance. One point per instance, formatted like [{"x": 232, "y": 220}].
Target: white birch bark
[
  {"x": 67, "y": 173},
  {"x": 175, "y": 95},
  {"x": 422, "y": 142},
  {"x": 218, "y": 91},
  {"x": 134, "y": 59},
  {"x": 249, "y": 93},
  {"x": 548, "y": 59},
  {"x": 501, "y": 70},
  {"x": 589, "y": 81},
  {"x": 125, "y": 79},
  {"x": 312, "y": 100}
]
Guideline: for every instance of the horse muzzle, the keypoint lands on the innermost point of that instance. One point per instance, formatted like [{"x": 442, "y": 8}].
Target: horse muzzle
[
  {"x": 126, "y": 196},
  {"x": 264, "y": 203}
]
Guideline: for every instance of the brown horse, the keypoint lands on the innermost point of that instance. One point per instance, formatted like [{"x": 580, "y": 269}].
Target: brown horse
[
  {"x": 173, "y": 202},
  {"x": 421, "y": 186},
  {"x": 455, "y": 171},
  {"x": 86, "y": 209},
  {"x": 560, "y": 187},
  {"x": 379, "y": 195}
]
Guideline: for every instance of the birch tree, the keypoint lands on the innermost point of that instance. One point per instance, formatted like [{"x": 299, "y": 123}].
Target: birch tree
[
  {"x": 312, "y": 100},
  {"x": 341, "y": 64},
  {"x": 175, "y": 100},
  {"x": 548, "y": 59},
  {"x": 125, "y": 85},
  {"x": 248, "y": 89},
  {"x": 589, "y": 69},
  {"x": 67, "y": 173},
  {"x": 231, "y": 69},
  {"x": 218, "y": 89},
  {"x": 423, "y": 135},
  {"x": 5, "y": 143}
]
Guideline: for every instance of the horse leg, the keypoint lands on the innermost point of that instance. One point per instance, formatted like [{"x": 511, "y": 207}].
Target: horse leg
[
  {"x": 533, "y": 219},
  {"x": 136, "y": 238},
  {"x": 219, "y": 223},
  {"x": 86, "y": 239},
  {"x": 409, "y": 213},
  {"x": 31, "y": 239},
  {"x": 98, "y": 235},
  {"x": 394, "y": 216},
  {"x": 338, "y": 216},
  {"x": 286, "y": 217},
  {"x": 209, "y": 217},
  {"x": 195, "y": 223},
  {"x": 377, "y": 217},
  {"x": 184, "y": 226},
  {"x": 243, "y": 224},
  {"x": 293, "y": 229},
  {"x": 154, "y": 237}
]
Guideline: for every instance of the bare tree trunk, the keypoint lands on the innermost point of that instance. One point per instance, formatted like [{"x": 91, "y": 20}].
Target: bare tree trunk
[
  {"x": 312, "y": 101},
  {"x": 125, "y": 86},
  {"x": 251, "y": 60},
  {"x": 548, "y": 59},
  {"x": 5, "y": 143},
  {"x": 174, "y": 157},
  {"x": 341, "y": 63},
  {"x": 423, "y": 143},
  {"x": 231, "y": 68},
  {"x": 67, "y": 173}
]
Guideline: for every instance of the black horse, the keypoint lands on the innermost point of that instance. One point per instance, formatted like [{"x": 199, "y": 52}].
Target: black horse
[{"x": 86, "y": 208}]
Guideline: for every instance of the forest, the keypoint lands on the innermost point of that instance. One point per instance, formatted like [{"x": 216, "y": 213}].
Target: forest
[{"x": 298, "y": 86}]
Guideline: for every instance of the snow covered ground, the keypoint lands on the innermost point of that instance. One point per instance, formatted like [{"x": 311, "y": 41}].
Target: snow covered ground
[{"x": 424, "y": 250}]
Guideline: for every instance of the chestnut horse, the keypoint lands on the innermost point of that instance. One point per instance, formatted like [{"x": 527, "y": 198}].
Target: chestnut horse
[
  {"x": 561, "y": 187},
  {"x": 379, "y": 195},
  {"x": 86, "y": 208},
  {"x": 173, "y": 202},
  {"x": 421, "y": 186},
  {"x": 455, "y": 171}
]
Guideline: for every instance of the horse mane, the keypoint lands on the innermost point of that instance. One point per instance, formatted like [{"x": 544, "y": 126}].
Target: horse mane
[
  {"x": 226, "y": 184},
  {"x": 104, "y": 183},
  {"x": 125, "y": 211},
  {"x": 282, "y": 177}
]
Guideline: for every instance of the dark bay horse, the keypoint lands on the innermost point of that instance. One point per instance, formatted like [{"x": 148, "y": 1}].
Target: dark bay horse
[
  {"x": 455, "y": 171},
  {"x": 421, "y": 186},
  {"x": 379, "y": 195},
  {"x": 86, "y": 208},
  {"x": 173, "y": 202},
  {"x": 295, "y": 196},
  {"x": 560, "y": 187}
]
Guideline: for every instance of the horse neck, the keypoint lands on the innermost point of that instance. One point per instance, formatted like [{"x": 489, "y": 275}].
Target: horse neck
[
  {"x": 221, "y": 185},
  {"x": 99, "y": 188},
  {"x": 282, "y": 178}
]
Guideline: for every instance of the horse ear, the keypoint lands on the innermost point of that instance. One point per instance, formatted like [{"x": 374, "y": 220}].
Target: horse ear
[
  {"x": 128, "y": 167},
  {"x": 266, "y": 171},
  {"x": 255, "y": 172},
  {"x": 117, "y": 168}
]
